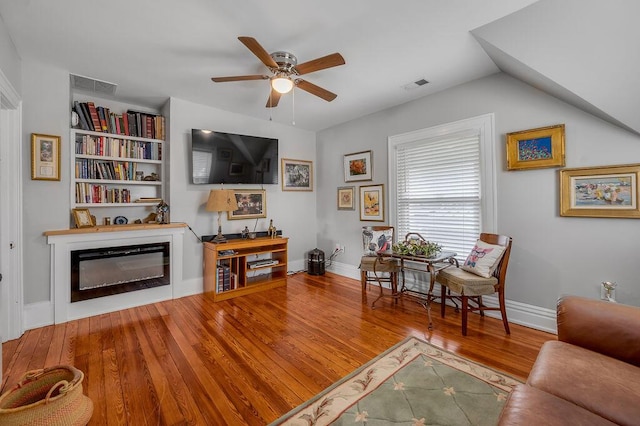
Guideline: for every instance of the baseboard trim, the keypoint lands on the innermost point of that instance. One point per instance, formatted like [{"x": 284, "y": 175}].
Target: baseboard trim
[
  {"x": 38, "y": 314},
  {"x": 531, "y": 316},
  {"x": 188, "y": 288}
]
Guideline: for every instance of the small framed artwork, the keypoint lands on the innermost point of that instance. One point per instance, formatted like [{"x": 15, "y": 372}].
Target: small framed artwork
[
  {"x": 45, "y": 157},
  {"x": 297, "y": 175},
  {"x": 83, "y": 218},
  {"x": 604, "y": 191},
  {"x": 236, "y": 169},
  {"x": 346, "y": 198},
  {"x": 372, "y": 203},
  {"x": 536, "y": 148},
  {"x": 251, "y": 204},
  {"x": 358, "y": 166}
]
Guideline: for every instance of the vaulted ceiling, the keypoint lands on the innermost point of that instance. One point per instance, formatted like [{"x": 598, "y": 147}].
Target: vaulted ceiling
[{"x": 584, "y": 52}]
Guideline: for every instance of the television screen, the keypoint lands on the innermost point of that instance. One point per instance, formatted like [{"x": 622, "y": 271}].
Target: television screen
[{"x": 218, "y": 157}]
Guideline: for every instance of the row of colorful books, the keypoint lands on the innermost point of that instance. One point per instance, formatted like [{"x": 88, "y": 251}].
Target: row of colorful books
[
  {"x": 131, "y": 123},
  {"x": 115, "y": 147},
  {"x": 101, "y": 169},
  {"x": 225, "y": 279},
  {"x": 98, "y": 194}
]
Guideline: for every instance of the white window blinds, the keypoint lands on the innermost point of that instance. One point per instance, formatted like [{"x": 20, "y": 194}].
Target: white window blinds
[{"x": 438, "y": 190}]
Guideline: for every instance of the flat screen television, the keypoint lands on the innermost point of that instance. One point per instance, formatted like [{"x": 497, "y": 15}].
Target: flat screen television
[{"x": 218, "y": 157}]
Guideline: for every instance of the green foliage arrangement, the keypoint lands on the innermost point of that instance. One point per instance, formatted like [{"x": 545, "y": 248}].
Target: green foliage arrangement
[{"x": 416, "y": 247}]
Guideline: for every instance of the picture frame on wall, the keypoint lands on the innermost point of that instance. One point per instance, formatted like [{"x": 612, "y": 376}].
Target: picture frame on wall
[
  {"x": 358, "y": 166},
  {"x": 346, "y": 198},
  {"x": 297, "y": 175},
  {"x": 603, "y": 191},
  {"x": 83, "y": 218},
  {"x": 536, "y": 148},
  {"x": 251, "y": 203},
  {"x": 45, "y": 157},
  {"x": 372, "y": 203}
]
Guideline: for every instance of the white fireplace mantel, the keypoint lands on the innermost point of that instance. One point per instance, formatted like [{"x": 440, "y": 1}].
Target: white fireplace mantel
[{"x": 64, "y": 241}]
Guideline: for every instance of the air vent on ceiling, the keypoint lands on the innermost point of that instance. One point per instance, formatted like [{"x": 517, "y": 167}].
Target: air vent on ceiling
[
  {"x": 415, "y": 84},
  {"x": 79, "y": 82}
]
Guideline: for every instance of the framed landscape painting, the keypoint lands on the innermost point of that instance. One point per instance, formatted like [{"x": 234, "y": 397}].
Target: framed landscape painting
[
  {"x": 604, "y": 191},
  {"x": 252, "y": 204},
  {"x": 358, "y": 166},
  {"x": 536, "y": 148},
  {"x": 372, "y": 203}
]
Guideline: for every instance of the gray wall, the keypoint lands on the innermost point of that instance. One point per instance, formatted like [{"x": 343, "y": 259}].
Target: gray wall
[
  {"x": 9, "y": 59},
  {"x": 552, "y": 255}
]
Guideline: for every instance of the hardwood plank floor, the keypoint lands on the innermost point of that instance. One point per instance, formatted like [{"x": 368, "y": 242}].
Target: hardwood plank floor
[{"x": 250, "y": 359}]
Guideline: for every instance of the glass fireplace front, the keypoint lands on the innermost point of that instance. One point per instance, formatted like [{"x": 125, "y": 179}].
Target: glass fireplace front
[{"x": 113, "y": 270}]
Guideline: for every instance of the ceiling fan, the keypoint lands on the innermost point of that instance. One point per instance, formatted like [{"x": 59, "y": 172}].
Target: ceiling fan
[{"x": 285, "y": 69}]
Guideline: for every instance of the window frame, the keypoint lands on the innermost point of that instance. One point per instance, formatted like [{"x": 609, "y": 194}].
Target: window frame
[{"x": 484, "y": 127}]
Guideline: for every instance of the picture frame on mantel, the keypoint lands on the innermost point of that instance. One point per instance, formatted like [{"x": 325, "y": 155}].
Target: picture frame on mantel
[
  {"x": 536, "y": 148},
  {"x": 45, "y": 157},
  {"x": 83, "y": 218}
]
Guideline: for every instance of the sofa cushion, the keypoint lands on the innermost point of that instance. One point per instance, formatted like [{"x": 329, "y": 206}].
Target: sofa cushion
[
  {"x": 528, "y": 406},
  {"x": 603, "y": 385}
]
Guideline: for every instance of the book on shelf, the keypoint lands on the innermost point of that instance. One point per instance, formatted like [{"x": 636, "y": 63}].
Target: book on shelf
[
  {"x": 131, "y": 123},
  {"x": 84, "y": 124},
  {"x": 93, "y": 113}
]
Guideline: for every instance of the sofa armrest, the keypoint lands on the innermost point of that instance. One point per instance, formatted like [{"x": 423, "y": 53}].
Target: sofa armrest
[{"x": 608, "y": 328}]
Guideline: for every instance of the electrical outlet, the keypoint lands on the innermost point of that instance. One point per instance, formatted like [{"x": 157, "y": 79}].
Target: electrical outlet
[
  {"x": 342, "y": 249},
  {"x": 338, "y": 246}
]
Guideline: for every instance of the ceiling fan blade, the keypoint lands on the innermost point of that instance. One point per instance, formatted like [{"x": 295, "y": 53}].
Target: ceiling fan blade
[
  {"x": 329, "y": 61},
  {"x": 315, "y": 90},
  {"x": 274, "y": 98},
  {"x": 255, "y": 47},
  {"x": 239, "y": 78}
]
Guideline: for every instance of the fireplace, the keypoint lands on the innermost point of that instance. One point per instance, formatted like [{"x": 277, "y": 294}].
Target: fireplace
[{"x": 100, "y": 272}]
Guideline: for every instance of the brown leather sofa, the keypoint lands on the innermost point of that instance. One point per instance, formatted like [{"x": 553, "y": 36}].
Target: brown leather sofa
[{"x": 589, "y": 376}]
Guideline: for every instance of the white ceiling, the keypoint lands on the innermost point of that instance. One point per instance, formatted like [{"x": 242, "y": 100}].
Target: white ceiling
[{"x": 156, "y": 49}]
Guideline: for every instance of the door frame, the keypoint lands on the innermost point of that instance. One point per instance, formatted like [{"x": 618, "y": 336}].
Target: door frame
[{"x": 11, "y": 256}]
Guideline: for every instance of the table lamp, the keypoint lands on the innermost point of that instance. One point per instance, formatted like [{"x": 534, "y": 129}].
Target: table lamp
[{"x": 221, "y": 200}]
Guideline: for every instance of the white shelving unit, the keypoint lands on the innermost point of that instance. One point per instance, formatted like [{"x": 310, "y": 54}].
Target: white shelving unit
[{"x": 103, "y": 174}]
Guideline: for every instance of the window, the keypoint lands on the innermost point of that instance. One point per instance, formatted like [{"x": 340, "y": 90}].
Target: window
[{"x": 442, "y": 183}]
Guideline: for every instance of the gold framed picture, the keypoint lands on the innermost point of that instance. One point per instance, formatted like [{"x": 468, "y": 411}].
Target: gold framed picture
[
  {"x": 603, "y": 191},
  {"x": 346, "y": 195},
  {"x": 251, "y": 204},
  {"x": 358, "y": 166},
  {"x": 372, "y": 203},
  {"x": 45, "y": 157},
  {"x": 536, "y": 148},
  {"x": 297, "y": 175},
  {"x": 83, "y": 218}
]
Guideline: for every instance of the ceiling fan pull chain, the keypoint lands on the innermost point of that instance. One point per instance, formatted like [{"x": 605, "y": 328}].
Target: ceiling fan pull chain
[{"x": 293, "y": 107}]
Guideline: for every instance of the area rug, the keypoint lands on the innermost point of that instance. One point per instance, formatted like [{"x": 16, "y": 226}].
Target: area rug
[{"x": 412, "y": 383}]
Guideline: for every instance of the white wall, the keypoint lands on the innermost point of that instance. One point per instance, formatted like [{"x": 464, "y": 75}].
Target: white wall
[
  {"x": 293, "y": 212},
  {"x": 9, "y": 59},
  {"x": 551, "y": 255}
]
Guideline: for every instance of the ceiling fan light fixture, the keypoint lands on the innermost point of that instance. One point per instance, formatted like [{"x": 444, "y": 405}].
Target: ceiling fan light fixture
[{"x": 282, "y": 84}]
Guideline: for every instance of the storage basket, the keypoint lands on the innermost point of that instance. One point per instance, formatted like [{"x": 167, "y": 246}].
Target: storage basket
[{"x": 51, "y": 396}]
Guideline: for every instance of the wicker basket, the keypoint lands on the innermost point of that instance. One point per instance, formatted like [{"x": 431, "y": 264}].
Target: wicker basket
[{"x": 51, "y": 396}]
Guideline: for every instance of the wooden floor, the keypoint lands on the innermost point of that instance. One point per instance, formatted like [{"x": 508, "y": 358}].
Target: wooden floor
[{"x": 250, "y": 359}]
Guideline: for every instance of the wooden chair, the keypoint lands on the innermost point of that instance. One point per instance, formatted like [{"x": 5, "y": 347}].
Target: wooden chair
[
  {"x": 384, "y": 271},
  {"x": 469, "y": 288}
]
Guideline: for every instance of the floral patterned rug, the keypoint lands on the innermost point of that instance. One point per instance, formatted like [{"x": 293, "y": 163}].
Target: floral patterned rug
[{"x": 412, "y": 383}]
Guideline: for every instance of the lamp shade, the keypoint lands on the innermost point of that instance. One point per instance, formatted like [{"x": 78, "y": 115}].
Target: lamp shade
[
  {"x": 282, "y": 84},
  {"x": 221, "y": 200}
]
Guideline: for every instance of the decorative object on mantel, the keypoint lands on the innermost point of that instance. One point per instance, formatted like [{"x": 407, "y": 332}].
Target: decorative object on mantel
[
  {"x": 536, "y": 148},
  {"x": 162, "y": 213},
  {"x": 151, "y": 218},
  {"x": 120, "y": 220},
  {"x": 45, "y": 157},
  {"x": 272, "y": 231},
  {"x": 220, "y": 200},
  {"x": 83, "y": 218}
]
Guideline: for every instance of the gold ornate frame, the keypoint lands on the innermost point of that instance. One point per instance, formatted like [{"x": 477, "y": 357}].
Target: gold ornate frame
[
  {"x": 529, "y": 149},
  {"x": 603, "y": 191},
  {"x": 45, "y": 157}
]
